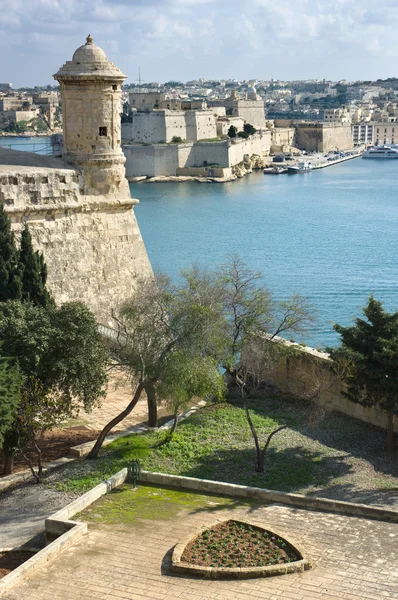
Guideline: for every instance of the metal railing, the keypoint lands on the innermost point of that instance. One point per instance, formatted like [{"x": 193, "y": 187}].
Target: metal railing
[{"x": 42, "y": 148}]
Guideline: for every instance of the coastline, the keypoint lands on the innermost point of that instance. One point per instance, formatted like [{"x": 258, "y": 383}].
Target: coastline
[{"x": 240, "y": 171}]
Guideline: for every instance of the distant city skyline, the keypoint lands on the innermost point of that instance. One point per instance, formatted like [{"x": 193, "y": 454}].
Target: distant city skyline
[{"x": 190, "y": 39}]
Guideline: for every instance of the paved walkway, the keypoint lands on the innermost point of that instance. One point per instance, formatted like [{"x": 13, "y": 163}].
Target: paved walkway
[
  {"x": 354, "y": 559},
  {"x": 23, "y": 509}
]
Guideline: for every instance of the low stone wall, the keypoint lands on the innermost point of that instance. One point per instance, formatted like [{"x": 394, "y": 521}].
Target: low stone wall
[{"x": 309, "y": 373}]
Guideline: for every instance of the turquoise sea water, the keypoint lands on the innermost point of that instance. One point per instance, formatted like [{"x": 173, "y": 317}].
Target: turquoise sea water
[
  {"x": 39, "y": 144},
  {"x": 331, "y": 235}
]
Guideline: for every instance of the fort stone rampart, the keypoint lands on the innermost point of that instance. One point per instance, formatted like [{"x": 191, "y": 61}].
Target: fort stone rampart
[
  {"x": 321, "y": 137},
  {"x": 161, "y": 126},
  {"x": 164, "y": 159}
]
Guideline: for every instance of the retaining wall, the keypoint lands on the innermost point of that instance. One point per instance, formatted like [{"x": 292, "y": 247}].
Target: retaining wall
[{"x": 309, "y": 372}]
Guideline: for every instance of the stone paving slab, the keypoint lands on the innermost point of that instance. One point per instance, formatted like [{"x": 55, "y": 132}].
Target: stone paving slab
[{"x": 354, "y": 559}]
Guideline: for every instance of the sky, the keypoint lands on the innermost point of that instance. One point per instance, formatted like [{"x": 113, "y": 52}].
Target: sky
[{"x": 214, "y": 39}]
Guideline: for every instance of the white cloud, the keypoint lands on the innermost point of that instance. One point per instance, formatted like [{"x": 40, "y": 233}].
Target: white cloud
[{"x": 184, "y": 39}]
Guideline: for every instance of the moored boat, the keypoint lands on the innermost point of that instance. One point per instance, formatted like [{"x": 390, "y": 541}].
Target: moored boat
[
  {"x": 275, "y": 170},
  {"x": 379, "y": 152},
  {"x": 301, "y": 167}
]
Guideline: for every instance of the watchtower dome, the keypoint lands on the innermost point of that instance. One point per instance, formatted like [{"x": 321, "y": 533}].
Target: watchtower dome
[{"x": 91, "y": 106}]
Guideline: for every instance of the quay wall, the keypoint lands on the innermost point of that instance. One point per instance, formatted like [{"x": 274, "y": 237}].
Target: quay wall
[{"x": 309, "y": 374}]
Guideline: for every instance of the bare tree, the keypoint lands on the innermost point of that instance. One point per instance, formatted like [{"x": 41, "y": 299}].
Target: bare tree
[{"x": 252, "y": 314}]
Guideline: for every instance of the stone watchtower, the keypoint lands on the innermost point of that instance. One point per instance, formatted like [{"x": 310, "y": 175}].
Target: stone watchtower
[
  {"x": 79, "y": 208},
  {"x": 91, "y": 107}
]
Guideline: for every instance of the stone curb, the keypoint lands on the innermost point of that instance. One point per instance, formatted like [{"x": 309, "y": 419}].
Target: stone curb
[
  {"x": 66, "y": 532},
  {"x": 184, "y": 568},
  {"x": 10, "y": 480},
  {"x": 271, "y": 496},
  {"x": 82, "y": 450}
]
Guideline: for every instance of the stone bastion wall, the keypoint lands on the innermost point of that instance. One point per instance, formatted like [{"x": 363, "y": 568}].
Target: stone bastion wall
[{"x": 92, "y": 244}]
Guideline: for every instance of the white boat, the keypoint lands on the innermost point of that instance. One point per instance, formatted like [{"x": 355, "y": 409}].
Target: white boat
[
  {"x": 379, "y": 152},
  {"x": 301, "y": 167},
  {"x": 275, "y": 170}
]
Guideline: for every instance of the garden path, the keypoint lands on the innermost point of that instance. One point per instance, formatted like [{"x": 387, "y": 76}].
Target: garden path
[{"x": 354, "y": 559}]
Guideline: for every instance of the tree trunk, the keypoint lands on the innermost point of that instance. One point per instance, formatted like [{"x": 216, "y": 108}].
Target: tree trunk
[
  {"x": 390, "y": 431},
  {"x": 98, "y": 444},
  {"x": 260, "y": 464},
  {"x": 152, "y": 404},
  {"x": 8, "y": 466}
]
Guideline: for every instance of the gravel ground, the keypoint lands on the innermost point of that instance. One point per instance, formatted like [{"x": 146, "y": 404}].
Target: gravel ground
[{"x": 23, "y": 510}]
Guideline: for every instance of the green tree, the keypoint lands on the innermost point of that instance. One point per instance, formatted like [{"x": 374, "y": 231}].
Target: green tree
[
  {"x": 33, "y": 272},
  {"x": 369, "y": 353},
  {"x": 63, "y": 362},
  {"x": 253, "y": 322},
  {"x": 179, "y": 339},
  {"x": 10, "y": 393},
  {"x": 249, "y": 129},
  {"x": 10, "y": 281},
  {"x": 163, "y": 333},
  {"x": 243, "y": 134},
  {"x": 232, "y": 131},
  {"x": 176, "y": 139}
]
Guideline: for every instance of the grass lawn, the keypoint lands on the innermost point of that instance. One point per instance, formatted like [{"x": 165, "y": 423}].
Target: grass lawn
[{"x": 327, "y": 455}]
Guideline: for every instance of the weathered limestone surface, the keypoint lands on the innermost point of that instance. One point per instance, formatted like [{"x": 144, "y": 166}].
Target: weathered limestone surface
[
  {"x": 92, "y": 244},
  {"x": 308, "y": 373}
]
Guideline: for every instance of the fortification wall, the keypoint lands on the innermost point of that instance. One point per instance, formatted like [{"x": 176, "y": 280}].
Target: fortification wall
[
  {"x": 337, "y": 138},
  {"x": 206, "y": 128},
  {"x": 283, "y": 136},
  {"x": 164, "y": 159},
  {"x": 160, "y": 126},
  {"x": 211, "y": 153},
  {"x": 320, "y": 138},
  {"x": 92, "y": 244},
  {"x": 260, "y": 143},
  {"x": 309, "y": 374},
  {"x": 146, "y": 128},
  {"x": 151, "y": 160}
]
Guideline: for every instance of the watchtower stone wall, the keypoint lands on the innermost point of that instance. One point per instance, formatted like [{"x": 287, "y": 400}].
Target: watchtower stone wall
[{"x": 79, "y": 208}]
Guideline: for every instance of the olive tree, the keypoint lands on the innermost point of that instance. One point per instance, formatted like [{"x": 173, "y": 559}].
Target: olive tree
[
  {"x": 254, "y": 320},
  {"x": 165, "y": 339}
]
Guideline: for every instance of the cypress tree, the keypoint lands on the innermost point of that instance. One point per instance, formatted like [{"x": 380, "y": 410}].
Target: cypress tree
[
  {"x": 10, "y": 393},
  {"x": 10, "y": 282},
  {"x": 33, "y": 272},
  {"x": 370, "y": 348}
]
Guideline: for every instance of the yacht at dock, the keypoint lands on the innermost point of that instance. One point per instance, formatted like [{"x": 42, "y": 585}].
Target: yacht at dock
[{"x": 380, "y": 152}]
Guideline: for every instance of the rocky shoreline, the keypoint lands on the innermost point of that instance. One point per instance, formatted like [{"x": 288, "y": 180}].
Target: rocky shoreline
[{"x": 255, "y": 163}]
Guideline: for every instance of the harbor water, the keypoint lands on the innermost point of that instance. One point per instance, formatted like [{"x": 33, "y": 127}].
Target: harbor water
[
  {"x": 330, "y": 235},
  {"x": 37, "y": 144}
]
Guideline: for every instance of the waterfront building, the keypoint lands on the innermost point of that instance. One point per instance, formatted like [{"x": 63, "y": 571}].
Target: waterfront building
[
  {"x": 362, "y": 134},
  {"x": 385, "y": 132}
]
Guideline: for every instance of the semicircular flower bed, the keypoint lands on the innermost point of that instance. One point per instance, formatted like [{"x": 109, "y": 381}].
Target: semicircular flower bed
[{"x": 239, "y": 549}]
